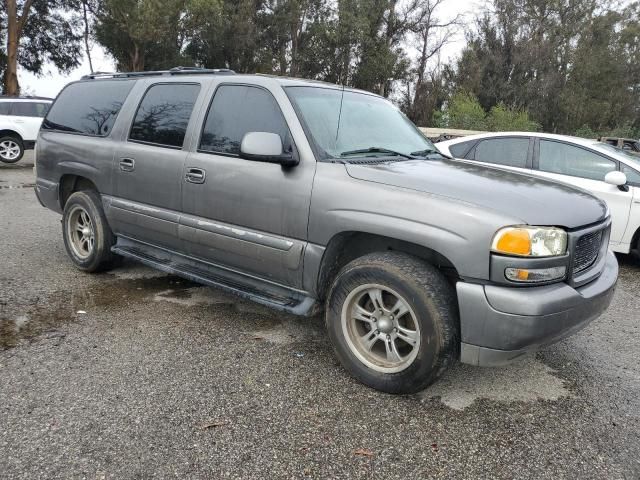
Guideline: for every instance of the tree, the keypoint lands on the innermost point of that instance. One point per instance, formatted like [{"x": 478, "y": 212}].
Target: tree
[
  {"x": 522, "y": 55},
  {"x": 142, "y": 34},
  {"x": 430, "y": 35},
  {"x": 38, "y": 32}
]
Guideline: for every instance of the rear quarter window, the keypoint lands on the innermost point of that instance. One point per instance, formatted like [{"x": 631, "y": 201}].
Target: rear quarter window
[{"x": 88, "y": 108}]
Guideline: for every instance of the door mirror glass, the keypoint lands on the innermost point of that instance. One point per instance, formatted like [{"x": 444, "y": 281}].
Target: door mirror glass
[
  {"x": 616, "y": 179},
  {"x": 265, "y": 147}
]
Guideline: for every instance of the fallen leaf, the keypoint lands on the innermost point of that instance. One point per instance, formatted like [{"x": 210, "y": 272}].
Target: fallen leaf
[
  {"x": 257, "y": 338},
  {"x": 206, "y": 426},
  {"x": 434, "y": 447},
  {"x": 363, "y": 452}
]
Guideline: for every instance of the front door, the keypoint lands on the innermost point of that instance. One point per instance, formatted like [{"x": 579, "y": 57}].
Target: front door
[
  {"x": 586, "y": 169},
  {"x": 148, "y": 166},
  {"x": 241, "y": 214}
]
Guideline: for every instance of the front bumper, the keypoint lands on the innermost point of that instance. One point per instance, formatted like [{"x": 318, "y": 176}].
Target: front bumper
[{"x": 499, "y": 324}]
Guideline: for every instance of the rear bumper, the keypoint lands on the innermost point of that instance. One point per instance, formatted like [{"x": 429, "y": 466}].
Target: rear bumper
[
  {"x": 47, "y": 194},
  {"x": 499, "y": 324}
]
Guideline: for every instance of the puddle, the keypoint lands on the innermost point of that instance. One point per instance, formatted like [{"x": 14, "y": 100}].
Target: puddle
[
  {"x": 63, "y": 307},
  {"x": 194, "y": 296},
  {"x": 136, "y": 284},
  {"x": 527, "y": 380}
]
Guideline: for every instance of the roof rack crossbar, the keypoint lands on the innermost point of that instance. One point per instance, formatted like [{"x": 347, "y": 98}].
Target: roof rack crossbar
[{"x": 172, "y": 71}]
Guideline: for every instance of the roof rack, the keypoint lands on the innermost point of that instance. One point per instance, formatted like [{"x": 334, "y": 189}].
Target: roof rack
[{"x": 172, "y": 71}]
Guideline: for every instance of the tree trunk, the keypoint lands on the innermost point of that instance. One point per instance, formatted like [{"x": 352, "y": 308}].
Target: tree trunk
[
  {"x": 86, "y": 35},
  {"x": 137, "y": 58},
  {"x": 11, "y": 86}
]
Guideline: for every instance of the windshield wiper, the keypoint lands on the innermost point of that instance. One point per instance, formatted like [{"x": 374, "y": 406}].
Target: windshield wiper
[
  {"x": 428, "y": 152},
  {"x": 376, "y": 150}
]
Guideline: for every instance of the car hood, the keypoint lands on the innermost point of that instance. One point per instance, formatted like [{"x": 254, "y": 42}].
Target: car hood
[{"x": 534, "y": 200}]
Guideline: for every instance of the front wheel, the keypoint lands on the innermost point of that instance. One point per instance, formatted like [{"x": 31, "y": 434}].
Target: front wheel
[
  {"x": 393, "y": 322},
  {"x": 11, "y": 149}
]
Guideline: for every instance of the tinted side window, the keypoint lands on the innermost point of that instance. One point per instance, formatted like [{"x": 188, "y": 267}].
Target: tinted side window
[
  {"x": 459, "y": 150},
  {"x": 632, "y": 175},
  {"x": 163, "y": 114},
  {"x": 5, "y": 107},
  {"x": 30, "y": 109},
  {"x": 503, "y": 151},
  {"x": 566, "y": 159},
  {"x": 89, "y": 108},
  {"x": 236, "y": 110}
]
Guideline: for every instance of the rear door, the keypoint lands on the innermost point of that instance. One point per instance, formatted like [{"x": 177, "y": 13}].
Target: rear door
[
  {"x": 247, "y": 215},
  {"x": 584, "y": 168},
  {"x": 148, "y": 164},
  {"x": 511, "y": 153},
  {"x": 28, "y": 115}
]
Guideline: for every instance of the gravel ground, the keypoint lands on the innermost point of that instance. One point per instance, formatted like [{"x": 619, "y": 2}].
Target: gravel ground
[{"x": 136, "y": 374}]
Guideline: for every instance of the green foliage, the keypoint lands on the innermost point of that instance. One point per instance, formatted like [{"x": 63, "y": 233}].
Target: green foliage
[
  {"x": 142, "y": 34},
  {"x": 586, "y": 132},
  {"x": 465, "y": 112},
  {"x": 567, "y": 63},
  {"x": 504, "y": 119}
]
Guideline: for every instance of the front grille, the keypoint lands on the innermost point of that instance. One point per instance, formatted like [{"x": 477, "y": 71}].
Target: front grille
[{"x": 587, "y": 249}]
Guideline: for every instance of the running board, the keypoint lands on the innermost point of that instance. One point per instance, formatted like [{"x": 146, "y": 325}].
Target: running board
[{"x": 251, "y": 288}]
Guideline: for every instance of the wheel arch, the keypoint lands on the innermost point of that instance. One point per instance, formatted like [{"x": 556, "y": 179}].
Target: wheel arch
[
  {"x": 12, "y": 133},
  {"x": 70, "y": 183},
  {"x": 349, "y": 245}
]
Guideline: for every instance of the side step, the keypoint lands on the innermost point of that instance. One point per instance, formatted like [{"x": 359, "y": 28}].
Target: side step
[{"x": 252, "y": 288}]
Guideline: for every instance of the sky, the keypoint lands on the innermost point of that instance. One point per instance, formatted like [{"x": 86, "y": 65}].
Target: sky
[{"x": 51, "y": 82}]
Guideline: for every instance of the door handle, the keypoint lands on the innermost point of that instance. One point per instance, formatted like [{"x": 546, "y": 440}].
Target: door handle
[
  {"x": 127, "y": 164},
  {"x": 195, "y": 175}
]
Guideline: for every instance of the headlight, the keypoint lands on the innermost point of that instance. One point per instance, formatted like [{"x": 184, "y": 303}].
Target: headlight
[{"x": 530, "y": 241}]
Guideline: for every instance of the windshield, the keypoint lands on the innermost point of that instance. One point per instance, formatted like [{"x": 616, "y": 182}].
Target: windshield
[
  {"x": 620, "y": 151},
  {"x": 349, "y": 124}
]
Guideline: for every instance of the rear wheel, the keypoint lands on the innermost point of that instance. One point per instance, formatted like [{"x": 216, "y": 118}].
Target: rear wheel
[
  {"x": 87, "y": 236},
  {"x": 393, "y": 321},
  {"x": 11, "y": 149}
]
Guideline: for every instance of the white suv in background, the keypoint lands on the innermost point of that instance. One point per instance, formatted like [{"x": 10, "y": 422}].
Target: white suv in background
[
  {"x": 608, "y": 172},
  {"x": 20, "y": 119}
]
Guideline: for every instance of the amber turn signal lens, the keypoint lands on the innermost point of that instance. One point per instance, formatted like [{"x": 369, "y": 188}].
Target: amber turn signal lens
[{"x": 513, "y": 241}]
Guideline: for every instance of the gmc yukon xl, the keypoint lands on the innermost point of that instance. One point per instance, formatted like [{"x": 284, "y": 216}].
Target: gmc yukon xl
[{"x": 312, "y": 197}]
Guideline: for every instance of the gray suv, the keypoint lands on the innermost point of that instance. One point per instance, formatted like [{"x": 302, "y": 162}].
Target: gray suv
[{"x": 311, "y": 197}]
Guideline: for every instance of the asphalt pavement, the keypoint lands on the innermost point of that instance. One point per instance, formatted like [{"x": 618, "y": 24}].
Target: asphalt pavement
[{"x": 137, "y": 374}]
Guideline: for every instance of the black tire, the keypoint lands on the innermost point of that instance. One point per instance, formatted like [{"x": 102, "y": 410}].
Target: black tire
[
  {"x": 100, "y": 257},
  {"x": 18, "y": 142},
  {"x": 431, "y": 298}
]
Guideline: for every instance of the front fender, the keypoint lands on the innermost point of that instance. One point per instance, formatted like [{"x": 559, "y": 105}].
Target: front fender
[{"x": 459, "y": 231}]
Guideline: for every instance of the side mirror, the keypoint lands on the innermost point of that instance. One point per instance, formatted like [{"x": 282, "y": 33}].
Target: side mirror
[
  {"x": 265, "y": 147},
  {"x": 617, "y": 179}
]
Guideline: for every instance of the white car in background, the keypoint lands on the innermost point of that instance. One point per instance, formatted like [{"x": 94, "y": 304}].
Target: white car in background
[
  {"x": 606, "y": 171},
  {"x": 20, "y": 120}
]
